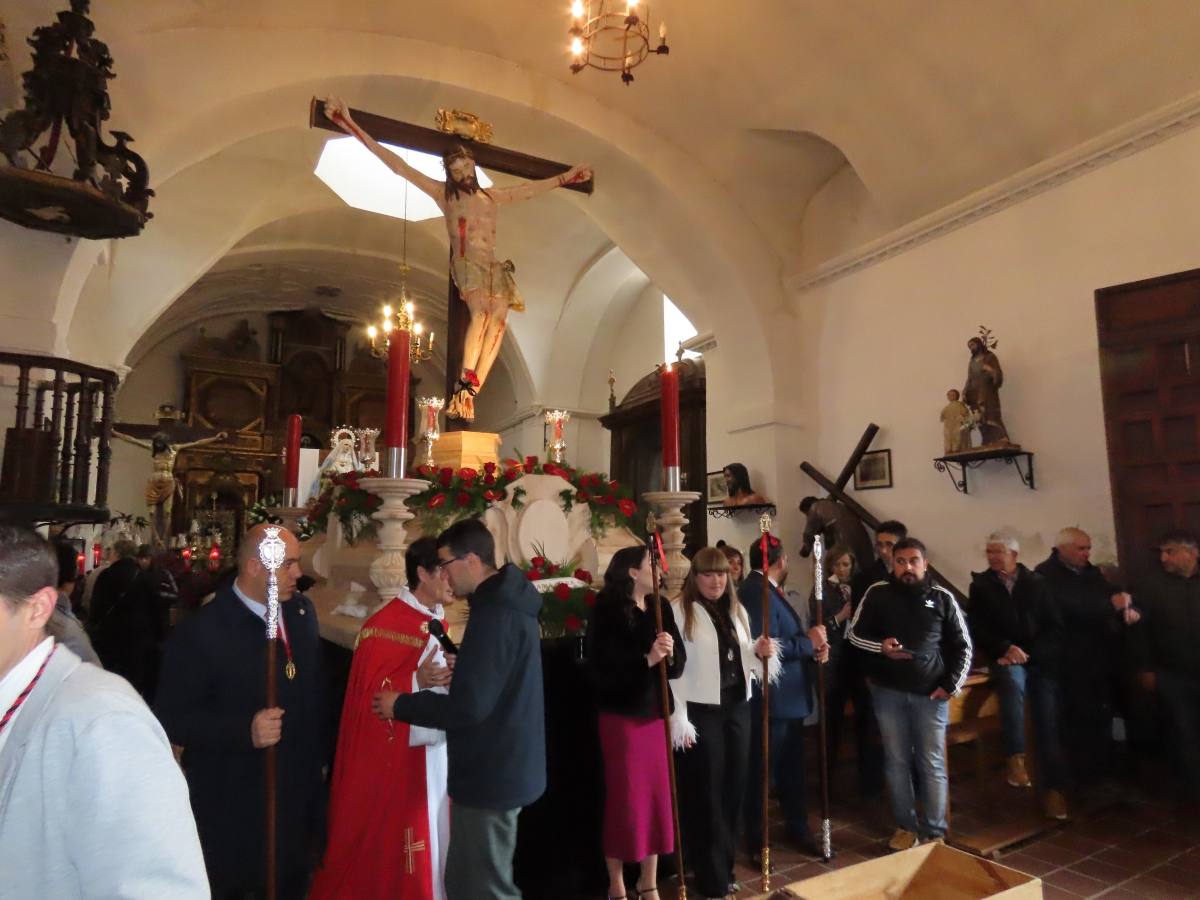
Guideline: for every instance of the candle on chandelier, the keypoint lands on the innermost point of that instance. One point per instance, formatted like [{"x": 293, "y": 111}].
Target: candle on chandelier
[
  {"x": 291, "y": 461},
  {"x": 97, "y": 554},
  {"x": 668, "y": 380},
  {"x": 80, "y": 559},
  {"x": 395, "y": 435}
]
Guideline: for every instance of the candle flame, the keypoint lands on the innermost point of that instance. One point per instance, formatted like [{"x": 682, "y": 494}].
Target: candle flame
[
  {"x": 372, "y": 332},
  {"x": 387, "y": 326},
  {"x": 387, "y": 311},
  {"x": 418, "y": 328},
  {"x": 577, "y": 9},
  {"x": 576, "y": 47},
  {"x": 410, "y": 308}
]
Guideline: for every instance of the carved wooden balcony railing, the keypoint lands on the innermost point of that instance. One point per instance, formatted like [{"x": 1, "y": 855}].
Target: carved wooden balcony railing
[{"x": 57, "y": 453}]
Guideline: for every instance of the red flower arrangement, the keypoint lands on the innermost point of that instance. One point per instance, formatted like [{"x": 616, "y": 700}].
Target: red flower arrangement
[
  {"x": 352, "y": 505},
  {"x": 468, "y": 492}
]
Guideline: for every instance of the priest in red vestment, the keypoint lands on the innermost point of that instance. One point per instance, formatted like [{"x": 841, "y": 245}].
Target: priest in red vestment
[{"x": 389, "y": 821}]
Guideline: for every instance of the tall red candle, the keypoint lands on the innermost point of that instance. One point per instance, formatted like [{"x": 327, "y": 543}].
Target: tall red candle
[
  {"x": 291, "y": 477},
  {"x": 668, "y": 378},
  {"x": 395, "y": 434}
]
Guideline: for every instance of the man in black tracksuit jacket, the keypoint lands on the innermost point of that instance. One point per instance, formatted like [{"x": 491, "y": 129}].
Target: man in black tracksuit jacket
[
  {"x": 493, "y": 715},
  {"x": 916, "y": 652}
]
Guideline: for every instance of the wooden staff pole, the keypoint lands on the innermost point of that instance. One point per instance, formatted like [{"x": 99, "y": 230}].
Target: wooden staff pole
[
  {"x": 765, "y": 856},
  {"x": 271, "y": 776},
  {"x": 656, "y": 554},
  {"x": 818, "y": 618}
]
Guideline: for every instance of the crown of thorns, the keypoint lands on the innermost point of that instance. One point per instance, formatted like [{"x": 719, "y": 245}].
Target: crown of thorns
[{"x": 456, "y": 152}]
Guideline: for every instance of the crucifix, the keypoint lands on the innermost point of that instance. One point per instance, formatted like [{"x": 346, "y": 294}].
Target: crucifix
[
  {"x": 164, "y": 441},
  {"x": 482, "y": 290}
]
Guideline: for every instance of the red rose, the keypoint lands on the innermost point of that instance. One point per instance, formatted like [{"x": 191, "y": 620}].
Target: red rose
[
  {"x": 612, "y": 485},
  {"x": 530, "y": 464},
  {"x": 562, "y": 592},
  {"x": 607, "y": 500},
  {"x": 425, "y": 470},
  {"x": 628, "y": 507},
  {"x": 582, "y": 497},
  {"x": 471, "y": 378},
  {"x": 445, "y": 477},
  {"x": 538, "y": 562},
  {"x": 436, "y": 500},
  {"x": 467, "y": 473},
  {"x": 589, "y": 599},
  {"x": 573, "y": 623},
  {"x": 463, "y": 499},
  {"x": 551, "y": 469},
  {"x": 510, "y": 474},
  {"x": 489, "y": 479},
  {"x": 489, "y": 468},
  {"x": 533, "y": 574},
  {"x": 583, "y": 575},
  {"x": 492, "y": 496}
]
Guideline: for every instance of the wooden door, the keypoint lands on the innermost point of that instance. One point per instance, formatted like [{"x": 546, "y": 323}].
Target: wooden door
[{"x": 1150, "y": 374}]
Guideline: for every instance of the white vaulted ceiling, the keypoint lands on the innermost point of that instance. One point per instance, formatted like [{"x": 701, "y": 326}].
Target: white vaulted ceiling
[{"x": 776, "y": 135}]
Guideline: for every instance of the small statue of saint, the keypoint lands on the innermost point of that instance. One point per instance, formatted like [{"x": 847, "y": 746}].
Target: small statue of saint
[
  {"x": 981, "y": 393},
  {"x": 955, "y": 424},
  {"x": 737, "y": 482}
]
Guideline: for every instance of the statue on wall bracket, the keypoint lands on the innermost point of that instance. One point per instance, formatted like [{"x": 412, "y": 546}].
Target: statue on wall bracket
[{"x": 981, "y": 393}]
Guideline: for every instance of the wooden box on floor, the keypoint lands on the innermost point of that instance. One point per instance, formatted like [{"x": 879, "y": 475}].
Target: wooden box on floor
[{"x": 928, "y": 872}]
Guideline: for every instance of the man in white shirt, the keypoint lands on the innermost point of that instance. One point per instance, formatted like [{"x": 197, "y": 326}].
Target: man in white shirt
[{"x": 92, "y": 803}]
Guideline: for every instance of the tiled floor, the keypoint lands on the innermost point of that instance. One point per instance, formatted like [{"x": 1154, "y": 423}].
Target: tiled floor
[{"x": 1130, "y": 841}]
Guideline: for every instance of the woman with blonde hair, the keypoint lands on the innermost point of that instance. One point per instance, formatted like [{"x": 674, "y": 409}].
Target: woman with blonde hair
[{"x": 711, "y": 721}]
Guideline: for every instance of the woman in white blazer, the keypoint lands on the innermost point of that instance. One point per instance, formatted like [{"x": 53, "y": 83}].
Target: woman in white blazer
[{"x": 711, "y": 722}]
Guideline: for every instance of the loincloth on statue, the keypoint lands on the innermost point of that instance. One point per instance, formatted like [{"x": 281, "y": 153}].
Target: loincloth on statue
[
  {"x": 160, "y": 488},
  {"x": 494, "y": 280}
]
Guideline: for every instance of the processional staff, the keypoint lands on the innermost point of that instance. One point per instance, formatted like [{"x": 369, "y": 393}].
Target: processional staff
[
  {"x": 658, "y": 557},
  {"x": 817, "y": 619},
  {"x": 764, "y": 524},
  {"x": 272, "y": 552}
]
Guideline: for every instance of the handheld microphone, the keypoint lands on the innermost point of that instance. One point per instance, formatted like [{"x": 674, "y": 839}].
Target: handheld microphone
[{"x": 436, "y": 629}]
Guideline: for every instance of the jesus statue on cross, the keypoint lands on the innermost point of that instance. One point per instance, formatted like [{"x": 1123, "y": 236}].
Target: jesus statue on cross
[{"x": 485, "y": 283}]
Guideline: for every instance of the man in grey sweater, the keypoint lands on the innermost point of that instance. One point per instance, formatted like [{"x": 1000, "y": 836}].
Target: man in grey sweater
[{"x": 92, "y": 803}]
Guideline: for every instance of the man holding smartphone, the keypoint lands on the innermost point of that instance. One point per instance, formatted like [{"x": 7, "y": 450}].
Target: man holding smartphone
[{"x": 916, "y": 652}]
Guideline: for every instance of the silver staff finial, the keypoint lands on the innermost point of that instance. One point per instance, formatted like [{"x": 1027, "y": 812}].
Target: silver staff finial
[{"x": 272, "y": 551}]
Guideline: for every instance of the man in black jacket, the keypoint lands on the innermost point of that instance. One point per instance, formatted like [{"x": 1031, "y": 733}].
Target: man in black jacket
[
  {"x": 212, "y": 701},
  {"x": 493, "y": 715},
  {"x": 1018, "y": 627},
  {"x": 1094, "y": 615},
  {"x": 1165, "y": 646},
  {"x": 916, "y": 652}
]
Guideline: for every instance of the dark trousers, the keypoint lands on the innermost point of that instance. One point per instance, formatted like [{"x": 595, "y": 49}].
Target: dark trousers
[
  {"x": 786, "y": 759},
  {"x": 1087, "y": 713},
  {"x": 1181, "y": 699},
  {"x": 844, "y": 681},
  {"x": 479, "y": 860},
  {"x": 712, "y": 782}
]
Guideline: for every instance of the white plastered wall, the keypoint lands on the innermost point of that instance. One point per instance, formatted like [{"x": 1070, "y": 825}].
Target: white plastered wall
[{"x": 884, "y": 344}]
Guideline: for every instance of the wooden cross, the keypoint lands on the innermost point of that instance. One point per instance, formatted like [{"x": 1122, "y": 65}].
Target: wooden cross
[
  {"x": 487, "y": 156},
  {"x": 411, "y": 848},
  {"x": 837, "y": 490}
]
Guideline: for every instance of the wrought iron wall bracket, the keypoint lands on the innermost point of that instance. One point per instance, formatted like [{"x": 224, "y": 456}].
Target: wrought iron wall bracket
[
  {"x": 956, "y": 466},
  {"x": 728, "y": 512}
]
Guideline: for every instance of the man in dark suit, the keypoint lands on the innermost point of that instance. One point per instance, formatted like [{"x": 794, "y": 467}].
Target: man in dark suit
[
  {"x": 212, "y": 701},
  {"x": 790, "y": 700}
]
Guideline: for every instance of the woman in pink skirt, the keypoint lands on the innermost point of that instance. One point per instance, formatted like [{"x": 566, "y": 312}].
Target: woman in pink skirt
[{"x": 624, "y": 647}]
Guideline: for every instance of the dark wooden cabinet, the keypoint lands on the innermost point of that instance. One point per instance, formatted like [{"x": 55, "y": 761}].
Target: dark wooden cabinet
[{"x": 636, "y": 455}]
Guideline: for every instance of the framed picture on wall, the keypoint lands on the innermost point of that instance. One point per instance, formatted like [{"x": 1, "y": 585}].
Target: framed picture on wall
[
  {"x": 874, "y": 470},
  {"x": 715, "y": 490}
]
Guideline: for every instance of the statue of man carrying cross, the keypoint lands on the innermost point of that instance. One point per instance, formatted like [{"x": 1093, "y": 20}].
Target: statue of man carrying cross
[{"x": 485, "y": 283}]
